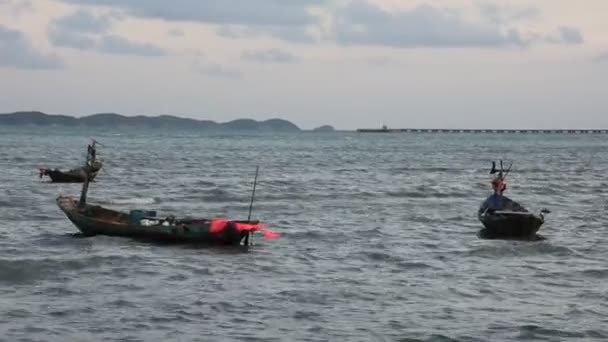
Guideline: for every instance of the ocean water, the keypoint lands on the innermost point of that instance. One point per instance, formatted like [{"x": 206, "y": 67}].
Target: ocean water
[{"x": 378, "y": 239}]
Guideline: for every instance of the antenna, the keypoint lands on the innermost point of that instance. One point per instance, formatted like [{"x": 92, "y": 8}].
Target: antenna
[
  {"x": 96, "y": 142},
  {"x": 255, "y": 180},
  {"x": 508, "y": 170}
]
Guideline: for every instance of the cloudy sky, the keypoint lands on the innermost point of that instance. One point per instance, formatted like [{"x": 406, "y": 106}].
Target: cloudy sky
[{"x": 348, "y": 63}]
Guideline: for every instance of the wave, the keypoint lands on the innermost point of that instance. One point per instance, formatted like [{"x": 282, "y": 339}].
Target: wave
[
  {"x": 512, "y": 248},
  {"x": 531, "y": 332},
  {"x": 597, "y": 273},
  {"x": 133, "y": 200},
  {"x": 27, "y": 271}
]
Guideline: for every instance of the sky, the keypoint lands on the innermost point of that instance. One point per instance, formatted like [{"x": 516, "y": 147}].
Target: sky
[{"x": 347, "y": 63}]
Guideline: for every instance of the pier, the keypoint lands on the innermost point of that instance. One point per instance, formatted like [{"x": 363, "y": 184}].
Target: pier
[{"x": 477, "y": 131}]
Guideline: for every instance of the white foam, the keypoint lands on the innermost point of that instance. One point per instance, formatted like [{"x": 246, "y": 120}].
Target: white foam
[{"x": 145, "y": 200}]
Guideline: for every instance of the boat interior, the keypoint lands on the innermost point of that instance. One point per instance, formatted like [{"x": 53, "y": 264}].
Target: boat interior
[
  {"x": 105, "y": 215},
  {"x": 94, "y": 211}
]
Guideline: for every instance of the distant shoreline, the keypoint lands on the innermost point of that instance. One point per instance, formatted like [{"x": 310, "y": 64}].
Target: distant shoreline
[
  {"x": 113, "y": 120},
  {"x": 478, "y": 131},
  {"x": 118, "y": 121}
]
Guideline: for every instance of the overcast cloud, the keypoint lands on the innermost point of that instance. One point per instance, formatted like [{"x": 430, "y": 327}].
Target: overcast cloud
[
  {"x": 361, "y": 22},
  {"x": 269, "y": 56},
  {"x": 86, "y": 31},
  {"x": 17, "y": 51}
]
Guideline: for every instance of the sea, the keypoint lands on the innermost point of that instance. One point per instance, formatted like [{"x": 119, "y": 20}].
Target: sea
[{"x": 378, "y": 238}]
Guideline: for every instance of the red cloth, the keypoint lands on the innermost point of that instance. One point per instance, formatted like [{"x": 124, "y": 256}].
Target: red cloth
[
  {"x": 268, "y": 235},
  {"x": 218, "y": 225}
]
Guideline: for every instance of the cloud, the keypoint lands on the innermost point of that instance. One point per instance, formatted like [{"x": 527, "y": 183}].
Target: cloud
[
  {"x": 380, "y": 61},
  {"x": 502, "y": 14},
  {"x": 356, "y": 22},
  {"x": 70, "y": 39},
  {"x": 217, "y": 70},
  {"x": 244, "y": 12},
  {"x": 564, "y": 35},
  {"x": 601, "y": 58},
  {"x": 17, "y": 52},
  {"x": 362, "y": 23},
  {"x": 86, "y": 31},
  {"x": 84, "y": 21},
  {"x": 117, "y": 45},
  {"x": 291, "y": 34},
  {"x": 78, "y": 29},
  {"x": 175, "y": 32},
  {"x": 570, "y": 35},
  {"x": 284, "y": 19},
  {"x": 268, "y": 56},
  {"x": 17, "y": 7}
]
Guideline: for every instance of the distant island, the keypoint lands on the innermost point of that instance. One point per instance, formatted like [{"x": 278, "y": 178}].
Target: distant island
[
  {"x": 113, "y": 120},
  {"x": 324, "y": 129}
]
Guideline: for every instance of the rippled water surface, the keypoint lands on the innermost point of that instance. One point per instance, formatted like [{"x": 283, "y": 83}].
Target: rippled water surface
[{"x": 378, "y": 239}]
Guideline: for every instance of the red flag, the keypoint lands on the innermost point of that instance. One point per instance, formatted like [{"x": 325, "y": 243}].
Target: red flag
[
  {"x": 248, "y": 227},
  {"x": 219, "y": 224},
  {"x": 268, "y": 235}
]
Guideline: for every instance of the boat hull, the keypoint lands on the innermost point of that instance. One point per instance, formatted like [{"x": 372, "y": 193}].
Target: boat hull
[
  {"x": 504, "y": 225},
  {"x": 74, "y": 175},
  {"x": 94, "y": 220}
]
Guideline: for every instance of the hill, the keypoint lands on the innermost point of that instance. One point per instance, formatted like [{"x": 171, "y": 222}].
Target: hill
[
  {"x": 324, "y": 129},
  {"x": 163, "y": 121}
]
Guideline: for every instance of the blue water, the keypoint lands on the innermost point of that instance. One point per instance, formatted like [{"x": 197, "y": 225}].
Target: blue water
[{"x": 378, "y": 239}]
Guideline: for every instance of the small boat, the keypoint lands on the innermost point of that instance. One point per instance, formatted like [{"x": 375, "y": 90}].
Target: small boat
[
  {"x": 94, "y": 220},
  {"x": 517, "y": 223},
  {"x": 75, "y": 175},
  {"x": 504, "y": 218}
]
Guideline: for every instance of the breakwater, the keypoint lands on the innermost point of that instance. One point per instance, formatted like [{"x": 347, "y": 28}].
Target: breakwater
[{"x": 495, "y": 131}]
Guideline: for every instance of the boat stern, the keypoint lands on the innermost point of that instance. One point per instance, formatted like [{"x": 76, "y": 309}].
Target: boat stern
[{"x": 510, "y": 225}]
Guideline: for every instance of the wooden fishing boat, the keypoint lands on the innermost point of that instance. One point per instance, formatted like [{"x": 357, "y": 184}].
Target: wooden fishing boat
[
  {"x": 74, "y": 175},
  {"x": 96, "y": 220},
  {"x": 504, "y": 218},
  {"x": 505, "y": 224}
]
